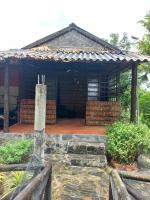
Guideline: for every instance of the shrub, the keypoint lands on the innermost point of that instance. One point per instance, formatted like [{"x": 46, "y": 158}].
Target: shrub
[
  {"x": 144, "y": 102},
  {"x": 124, "y": 141},
  {"x": 16, "y": 152}
]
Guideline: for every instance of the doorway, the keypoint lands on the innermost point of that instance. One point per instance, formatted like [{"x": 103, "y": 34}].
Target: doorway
[{"x": 71, "y": 96}]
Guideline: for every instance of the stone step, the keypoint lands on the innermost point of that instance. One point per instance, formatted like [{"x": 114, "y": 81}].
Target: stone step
[
  {"x": 76, "y": 138},
  {"x": 71, "y": 147},
  {"x": 79, "y": 183},
  {"x": 83, "y": 160}
]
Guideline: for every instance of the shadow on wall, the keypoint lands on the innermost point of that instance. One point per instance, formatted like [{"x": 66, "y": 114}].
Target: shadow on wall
[{"x": 13, "y": 117}]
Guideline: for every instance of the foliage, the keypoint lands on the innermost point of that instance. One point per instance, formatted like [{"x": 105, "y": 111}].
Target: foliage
[
  {"x": 125, "y": 90},
  {"x": 144, "y": 44},
  {"x": 125, "y": 78},
  {"x": 144, "y": 105},
  {"x": 144, "y": 47},
  {"x": 123, "y": 43},
  {"x": 16, "y": 152},
  {"x": 114, "y": 38},
  {"x": 2, "y": 177},
  {"x": 13, "y": 180},
  {"x": 146, "y": 22},
  {"x": 144, "y": 70},
  {"x": 124, "y": 140},
  {"x": 125, "y": 116}
]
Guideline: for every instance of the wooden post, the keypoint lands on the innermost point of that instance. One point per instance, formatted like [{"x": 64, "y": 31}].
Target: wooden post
[
  {"x": 117, "y": 86},
  {"x": 47, "y": 195},
  {"x": 118, "y": 188},
  {"x": 39, "y": 120},
  {"x": 19, "y": 92},
  {"x": 133, "y": 93},
  {"x": 6, "y": 98},
  {"x": 31, "y": 189}
]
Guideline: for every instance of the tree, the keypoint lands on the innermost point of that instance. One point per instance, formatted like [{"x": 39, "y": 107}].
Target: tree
[
  {"x": 114, "y": 39},
  {"x": 123, "y": 43},
  {"x": 125, "y": 89},
  {"x": 125, "y": 78},
  {"x": 144, "y": 102},
  {"x": 144, "y": 48}
]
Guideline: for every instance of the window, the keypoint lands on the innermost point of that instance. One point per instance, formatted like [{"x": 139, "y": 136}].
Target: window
[{"x": 93, "y": 89}]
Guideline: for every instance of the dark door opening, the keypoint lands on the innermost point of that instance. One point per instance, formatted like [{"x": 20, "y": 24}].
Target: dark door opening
[{"x": 71, "y": 100}]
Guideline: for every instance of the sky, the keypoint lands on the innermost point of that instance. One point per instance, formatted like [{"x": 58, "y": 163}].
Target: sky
[{"x": 25, "y": 21}]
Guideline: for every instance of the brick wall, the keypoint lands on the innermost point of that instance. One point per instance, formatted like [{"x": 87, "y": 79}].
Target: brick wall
[
  {"x": 102, "y": 112},
  {"x": 27, "y": 111}
]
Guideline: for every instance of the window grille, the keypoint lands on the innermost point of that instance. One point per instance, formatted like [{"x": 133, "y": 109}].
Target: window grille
[{"x": 93, "y": 89}]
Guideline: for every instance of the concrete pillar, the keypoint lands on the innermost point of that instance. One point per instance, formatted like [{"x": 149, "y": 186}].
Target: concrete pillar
[
  {"x": 40, "y": 107},
  {"x": 39, "y": 120}
]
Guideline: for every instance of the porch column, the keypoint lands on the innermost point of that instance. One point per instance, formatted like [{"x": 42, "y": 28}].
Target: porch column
[
  {"x": 133, "y": 116},
  {"x": 40, "y": 119},
  {"x": 6, "y": 98},
  {"x": 118, "y": 86}
]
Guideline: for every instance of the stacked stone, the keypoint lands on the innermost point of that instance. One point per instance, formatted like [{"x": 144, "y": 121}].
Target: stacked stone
[
  {"x": 78, "y": 153},
  {"x": 78, "y": 168}
]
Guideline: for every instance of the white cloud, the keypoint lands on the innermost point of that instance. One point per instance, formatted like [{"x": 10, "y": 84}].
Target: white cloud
[{"x": 24, "y": 21}]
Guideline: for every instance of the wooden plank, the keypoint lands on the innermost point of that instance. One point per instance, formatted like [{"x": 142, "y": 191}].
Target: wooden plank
[
  {"x": 135, "y": 176},
  {"x": 119, "y": 191},
  {"x": 37, "y": 195},
  {"x": 133, "y": 94},
  {"x": 19, "y": 167},
  {"x": 28, "y": 191},
  {"x": 6, "y": 98},
  {"x": 47, "y": 195}
]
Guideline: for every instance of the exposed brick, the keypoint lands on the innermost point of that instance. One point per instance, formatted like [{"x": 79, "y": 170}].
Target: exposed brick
[
  {"x": 102, "y": 112},
  {"x": 27, "y": 111}
]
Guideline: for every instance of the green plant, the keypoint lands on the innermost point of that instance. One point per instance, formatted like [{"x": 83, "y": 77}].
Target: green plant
[
  {"x": 2, "y": 178},
  {"x": 124, "y": 140},
  {"x": 144, "y": 104},
  {"x": 16, "y": 152},
  {"x": 13, "y": 180}
]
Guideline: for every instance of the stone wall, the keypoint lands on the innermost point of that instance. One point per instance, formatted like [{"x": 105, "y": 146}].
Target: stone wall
[
  {"x": 72, "y": 39},
  {"x": 102, "y": 112},
  {"x": 27, "y": 111}
]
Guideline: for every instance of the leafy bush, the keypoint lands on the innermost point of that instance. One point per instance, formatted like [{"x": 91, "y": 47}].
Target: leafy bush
[
  {"x": 16, "y": 152},
  {"x": 125, "y": 140},
  {"x": 144, "y": 101}
]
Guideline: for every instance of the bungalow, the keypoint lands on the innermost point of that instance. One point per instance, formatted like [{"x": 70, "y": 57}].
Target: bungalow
[{"x": 82, "y": 76}]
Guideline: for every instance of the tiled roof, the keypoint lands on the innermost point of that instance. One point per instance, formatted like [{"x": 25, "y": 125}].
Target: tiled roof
[{"x": 73, "y": 55}]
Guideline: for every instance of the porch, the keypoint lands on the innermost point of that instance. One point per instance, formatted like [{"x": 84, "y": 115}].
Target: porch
[
  {"x": 63, "y": 126},
  {"x": 79, "y": 85},
  {"x": 75, "y": 90}
]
